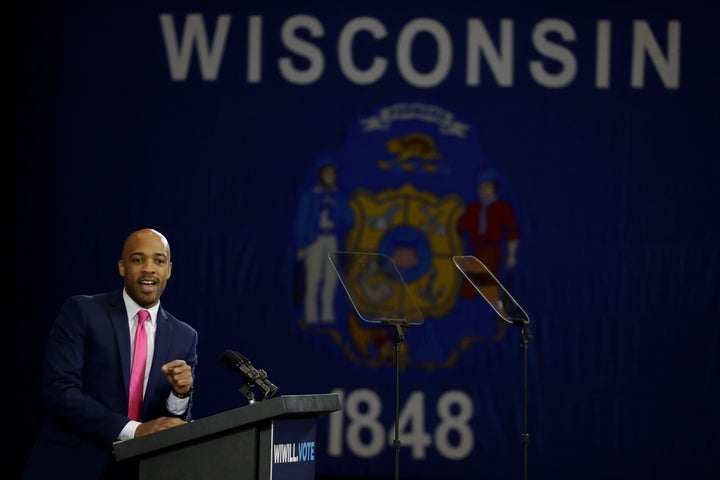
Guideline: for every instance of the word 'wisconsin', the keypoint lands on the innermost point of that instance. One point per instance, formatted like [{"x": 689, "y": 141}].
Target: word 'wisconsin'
[{"x": 425, "y": 54}]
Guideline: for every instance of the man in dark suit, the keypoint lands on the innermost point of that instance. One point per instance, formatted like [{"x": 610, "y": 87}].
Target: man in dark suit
[{"x": 87, "y": 367}]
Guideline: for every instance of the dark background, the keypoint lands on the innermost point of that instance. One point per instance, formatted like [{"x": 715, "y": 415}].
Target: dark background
[{"x": 616, "y": 191}]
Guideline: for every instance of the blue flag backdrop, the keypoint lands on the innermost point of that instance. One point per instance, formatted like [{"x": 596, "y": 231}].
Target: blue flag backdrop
[{"x": 571, "y": 148}]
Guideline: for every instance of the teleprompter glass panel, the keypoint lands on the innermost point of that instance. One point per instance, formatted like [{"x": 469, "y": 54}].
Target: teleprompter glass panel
[
  {"x": 375, "y": 288},
  {"x": 491, "y": 289}
]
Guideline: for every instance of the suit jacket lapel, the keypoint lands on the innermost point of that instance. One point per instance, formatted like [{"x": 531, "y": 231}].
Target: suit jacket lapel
[
  {"x": 119, "y": 319},
  {"x": 163, "y": 333}
]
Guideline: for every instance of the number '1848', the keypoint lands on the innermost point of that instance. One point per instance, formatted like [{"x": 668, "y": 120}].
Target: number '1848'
[{"x": 364, "y": 435}]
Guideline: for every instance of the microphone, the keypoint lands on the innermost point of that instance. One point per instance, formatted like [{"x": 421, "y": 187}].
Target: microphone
[{"x": 238, "y": 363}]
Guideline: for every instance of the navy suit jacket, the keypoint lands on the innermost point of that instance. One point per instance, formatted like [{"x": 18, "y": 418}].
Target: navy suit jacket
[{"x": 85, "y": 383}]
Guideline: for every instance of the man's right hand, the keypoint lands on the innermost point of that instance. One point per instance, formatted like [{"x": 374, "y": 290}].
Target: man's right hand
[{"x": 162, "y": 423}]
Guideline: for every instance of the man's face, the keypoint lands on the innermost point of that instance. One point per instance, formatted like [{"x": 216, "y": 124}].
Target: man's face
[
  {"x": 146, "y": 267},
  {"x": 486, "y": 189},
  {"x": 328, "y": 176}
]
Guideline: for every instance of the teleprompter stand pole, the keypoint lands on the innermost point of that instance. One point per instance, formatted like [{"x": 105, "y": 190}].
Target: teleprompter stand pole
[
  {"x": 399, "y": 338},
  {"x": 525, "y": 337}
]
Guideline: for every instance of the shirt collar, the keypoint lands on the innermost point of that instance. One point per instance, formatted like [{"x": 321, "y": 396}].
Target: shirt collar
[{"x": 132, "y": 309}]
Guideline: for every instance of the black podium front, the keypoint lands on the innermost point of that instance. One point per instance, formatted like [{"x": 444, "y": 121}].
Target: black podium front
[{"x": 272, "y": 439}]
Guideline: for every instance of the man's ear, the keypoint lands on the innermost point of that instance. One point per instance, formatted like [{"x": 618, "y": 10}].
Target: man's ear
[{"x": 121, "y": 268}]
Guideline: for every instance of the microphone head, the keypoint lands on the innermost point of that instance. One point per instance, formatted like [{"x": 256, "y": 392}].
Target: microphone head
[
  {"x": 238, "y": 363},
  {"x": 232, "y": 359},
  {"x": 270, "y": 390}
]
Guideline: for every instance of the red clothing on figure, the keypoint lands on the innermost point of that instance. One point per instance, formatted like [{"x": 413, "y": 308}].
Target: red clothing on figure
[{"x": 487, "y": 245}]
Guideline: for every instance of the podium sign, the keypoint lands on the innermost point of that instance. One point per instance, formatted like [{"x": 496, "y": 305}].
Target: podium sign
[
  {"x": 269, "y": 440},
  {"x": 293, "y": 449}
]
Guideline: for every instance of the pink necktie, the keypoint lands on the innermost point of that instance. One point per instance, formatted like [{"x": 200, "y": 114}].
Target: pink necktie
[{"x": 137, "y": 376}]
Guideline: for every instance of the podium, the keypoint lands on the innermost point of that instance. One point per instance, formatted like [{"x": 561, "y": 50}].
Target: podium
[{"x": 269, "y": 440}]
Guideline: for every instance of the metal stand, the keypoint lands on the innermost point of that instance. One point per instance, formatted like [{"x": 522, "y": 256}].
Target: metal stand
[
  {"x": 379, "y": 295},
  {"x": 525, "y": 337},
  {"x": 399, "y": 338},
  {"x": 247, "y": 392},
  {"x": 509, "y": 310}
]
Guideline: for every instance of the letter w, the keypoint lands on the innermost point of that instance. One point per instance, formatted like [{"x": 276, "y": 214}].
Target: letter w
[{"x": 179, "y": 53}]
